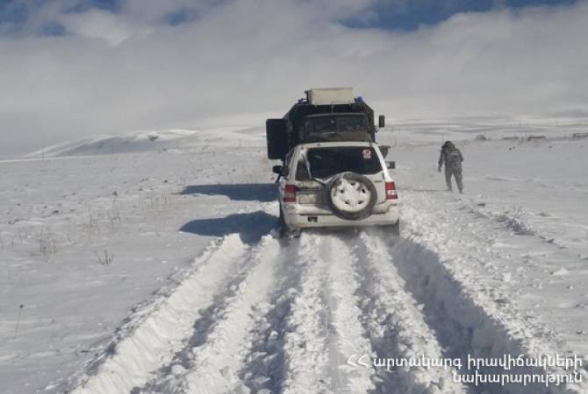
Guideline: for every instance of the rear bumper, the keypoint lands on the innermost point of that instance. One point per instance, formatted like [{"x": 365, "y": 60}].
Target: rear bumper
[{"x": 297, "y": 216}]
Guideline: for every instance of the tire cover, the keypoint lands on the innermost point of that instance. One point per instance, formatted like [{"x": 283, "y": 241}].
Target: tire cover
[{"x": 351, "y": 196}]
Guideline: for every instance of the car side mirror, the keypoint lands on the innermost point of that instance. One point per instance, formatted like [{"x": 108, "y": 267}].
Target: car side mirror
[
  {"x": 384, "y": 149},
  {"x": 278, "y": 170},
  {"x": 391, "y": 165},
  {"x": 381, "y": 121}
]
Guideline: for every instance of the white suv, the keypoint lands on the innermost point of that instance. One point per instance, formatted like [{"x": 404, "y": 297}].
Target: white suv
[{"x": 336, "y": 184}]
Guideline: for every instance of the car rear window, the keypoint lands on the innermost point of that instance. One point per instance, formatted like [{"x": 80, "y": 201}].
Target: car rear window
[
  {"x": 336, "y": 123},
  {"x": 326, "y": 162}
]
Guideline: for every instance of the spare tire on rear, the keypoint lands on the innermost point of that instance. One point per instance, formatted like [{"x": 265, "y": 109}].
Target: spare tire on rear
[{"x": 351, "y": 196}]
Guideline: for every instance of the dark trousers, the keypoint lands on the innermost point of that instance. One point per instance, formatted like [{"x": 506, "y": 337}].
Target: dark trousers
[{"x": 456, "y": 172}]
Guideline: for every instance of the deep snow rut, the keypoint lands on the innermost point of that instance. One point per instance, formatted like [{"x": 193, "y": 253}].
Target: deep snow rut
[
  {"x": 396, "y": 324},
  {"x": 348, "y": 332},
  {"x": 324, "y": 325},
  {"x": 153, "y": 336},
  {"x": 325, "y": 313},
  {"x": 306, "y": 359},
  {"x": 466, "y": 316},
  {"x": 212, "y": 363}
]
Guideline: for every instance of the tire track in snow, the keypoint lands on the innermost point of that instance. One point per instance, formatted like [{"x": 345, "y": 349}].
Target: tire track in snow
[
  {"x": 312, "y": 326},
  {"x": 306, "y": 351},
  {"x": 346, "y": 333},
  {"x": 466, "y": 320},
  {"x": 396, "y": 325},
  {"x": 264, "y": 368},
  {"x": 151, "y": 339},
  {"x": 321, "y": 325},
  {"x": 212, "y": 364}
]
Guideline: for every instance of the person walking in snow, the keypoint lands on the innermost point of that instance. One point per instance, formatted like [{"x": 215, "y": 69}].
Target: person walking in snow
[{"x": 452, "y": 158}]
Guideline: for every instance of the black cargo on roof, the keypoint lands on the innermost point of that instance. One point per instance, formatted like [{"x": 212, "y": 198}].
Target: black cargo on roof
[
  {"x": 298, "y": 129},
  {"x": 300, "y": 111}
]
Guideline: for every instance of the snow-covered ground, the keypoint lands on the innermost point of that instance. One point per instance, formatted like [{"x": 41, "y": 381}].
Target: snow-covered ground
[{"x": 148, "y": 263}]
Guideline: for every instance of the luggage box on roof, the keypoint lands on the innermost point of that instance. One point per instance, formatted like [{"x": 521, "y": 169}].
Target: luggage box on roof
[
  {"x": 331, "y": 96},
  {"x": 336, "y": 105}
]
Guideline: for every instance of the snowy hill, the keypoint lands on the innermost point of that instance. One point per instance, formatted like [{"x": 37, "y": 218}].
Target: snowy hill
[
  {"x": 411, "y": 132},
  {"x": 152, "y": 141}
]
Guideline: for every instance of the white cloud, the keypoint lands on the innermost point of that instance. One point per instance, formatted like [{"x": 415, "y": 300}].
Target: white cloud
[
  {"x": 103, "y": 25},
  {"x": 125, "y": 71}
]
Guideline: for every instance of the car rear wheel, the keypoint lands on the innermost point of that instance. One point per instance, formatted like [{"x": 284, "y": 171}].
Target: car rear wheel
[
  {"x": 282, "y": 223},
  {"x": 281, "y": 220},
  {"x": 285, "y": 230},
  {"x": 393, "y": 229}
]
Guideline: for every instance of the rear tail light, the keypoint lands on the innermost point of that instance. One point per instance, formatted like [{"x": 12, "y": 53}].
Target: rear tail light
[
  {"x": 391, "y": 191},
  {"x": 290, "y": 193}
]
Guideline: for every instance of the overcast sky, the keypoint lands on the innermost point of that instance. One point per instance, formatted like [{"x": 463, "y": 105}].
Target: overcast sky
[{"x": 72, "y": 68}]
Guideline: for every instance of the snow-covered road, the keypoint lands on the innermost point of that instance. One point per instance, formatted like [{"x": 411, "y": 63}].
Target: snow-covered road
[
  {"x": 285, "y": 316},
  {"x": 246, "y": 312},
  {"x": 296, "y": 316}
]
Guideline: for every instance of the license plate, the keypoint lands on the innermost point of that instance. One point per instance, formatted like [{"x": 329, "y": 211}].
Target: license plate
[{"x": 309, "y": 198}]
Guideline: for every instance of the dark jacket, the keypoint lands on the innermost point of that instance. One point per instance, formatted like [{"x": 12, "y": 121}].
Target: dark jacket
[{"x": 450, "y": 156}]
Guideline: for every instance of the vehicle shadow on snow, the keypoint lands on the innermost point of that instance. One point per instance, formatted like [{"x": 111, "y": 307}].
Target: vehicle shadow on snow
[
  {"x": 250, "y": 226},
  {"x": 264, "y": 192}
]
